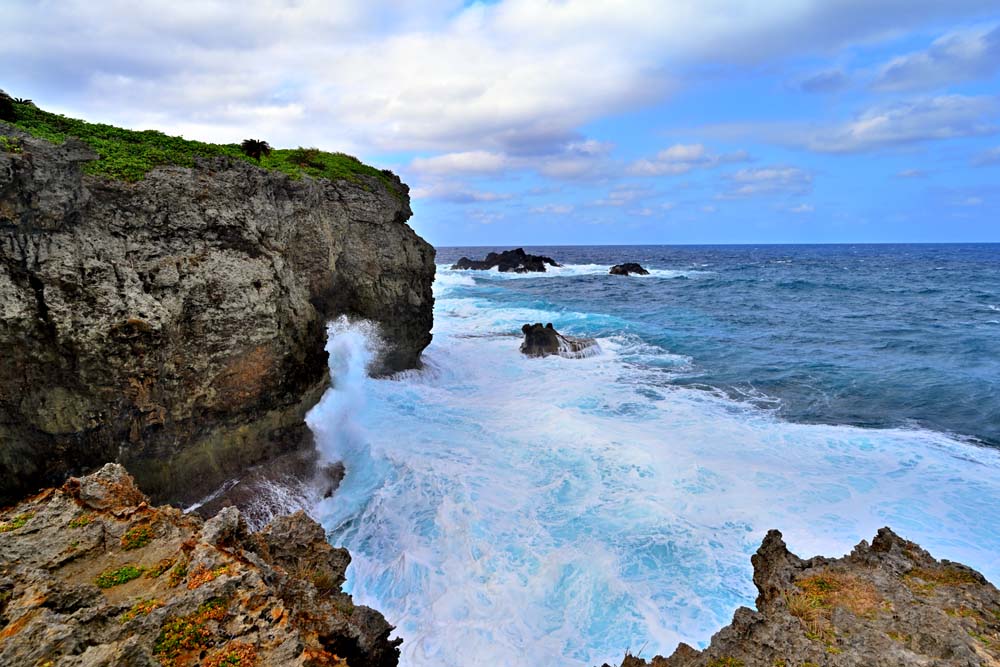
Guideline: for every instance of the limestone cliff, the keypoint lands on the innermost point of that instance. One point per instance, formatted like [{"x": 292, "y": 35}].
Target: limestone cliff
[
  {"x": 885, "y": 604},
  {"x": 177, "y": 324},
  {"x": 91, "y": 575}
]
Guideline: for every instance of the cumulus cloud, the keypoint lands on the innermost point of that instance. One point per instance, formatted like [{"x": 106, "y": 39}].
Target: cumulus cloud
[
  {"x": 456, "y": 193},
  {"x": 953, "y": 58},
  {"x": 467, "y": 162},
  {"x": 514, "y": 77},
  {"x": 826, "y": 81},
  {"x": 802, "y": 208},
  {"x": 682, "y": 158},
  {"x": 768, "y": 181},
  {"x": 987, "y": 158},
  {"x": 553, "y": 209}
]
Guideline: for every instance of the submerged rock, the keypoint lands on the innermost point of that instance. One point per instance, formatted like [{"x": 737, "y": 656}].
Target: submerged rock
[
  {"x": 177, "y": 324},
  {"x": 91, "y": 575},
  {"x": 628, "y": 268},
  {"x": 508, "y": 261},
  {"x": 886, "y": 604},
  {"x": 541, "y": 341}
]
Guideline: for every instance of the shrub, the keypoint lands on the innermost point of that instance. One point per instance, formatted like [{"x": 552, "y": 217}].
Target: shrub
[
  {"x": 190, "y": 632},
  {"x": 121, "y": 575},
  {"x": 16, "y": 522},
  {"x": 81, "y": 521},
  {"x": 136, "y": 537}
]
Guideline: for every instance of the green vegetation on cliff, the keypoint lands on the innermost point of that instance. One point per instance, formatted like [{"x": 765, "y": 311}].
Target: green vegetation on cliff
[{"x": 128, "y": 155}]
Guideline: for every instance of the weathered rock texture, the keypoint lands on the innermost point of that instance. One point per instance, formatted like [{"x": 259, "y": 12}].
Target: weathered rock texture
[
  {"x": 628, "y": 268},
  {"x": 177, "y": 324},
  {"x": 91, "y": 575},
  {"x": 541, "y": 341},
  {"x": 886, "y": 604},
  {"x": 508, "y": 261}
]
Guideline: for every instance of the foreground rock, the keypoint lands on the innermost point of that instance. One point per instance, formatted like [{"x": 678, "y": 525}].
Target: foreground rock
[
  {"x": 177, "y": 324},
  {"x": 508, "y": 261},
  {"x": 541, "y": 341},
  {"x": 628, "y": 268},
  {"x": 91, "y": 575},
  {"x": 885, "y": 605}
]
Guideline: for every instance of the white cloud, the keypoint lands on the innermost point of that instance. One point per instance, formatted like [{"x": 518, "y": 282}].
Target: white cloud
[
  {"x": 554, "y": 209},
  {"x": 951, "y": 59},
  {"x": 456, "y": 193},
  {"x": 468, "y": 162},
  {"x": 623, "y": 195},
  {"x": 825, "y": 81},
  {"x": 644, "y": 212},
  {"x": 988, "y": 157},
  {"x": 682, "y": 158},
  {"x": 911, "y": 173},
  {"x": 768, "y": 180},
  {"x": 802, "y": 208},
  {"x": 514, "y": 77}
]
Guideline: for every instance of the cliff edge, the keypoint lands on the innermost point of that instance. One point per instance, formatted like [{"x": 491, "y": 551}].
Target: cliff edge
[
  {"x": 92, "y": 575},
  {"x": 176, "y": 323},
  {"x": 884, "y": 605}
]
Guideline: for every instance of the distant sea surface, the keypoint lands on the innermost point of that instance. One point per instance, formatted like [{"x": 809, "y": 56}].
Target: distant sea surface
[{"x": 502, "y": 510}]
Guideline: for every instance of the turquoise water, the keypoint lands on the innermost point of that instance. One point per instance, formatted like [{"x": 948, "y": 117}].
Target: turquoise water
[{"x": 513, "y": 511}]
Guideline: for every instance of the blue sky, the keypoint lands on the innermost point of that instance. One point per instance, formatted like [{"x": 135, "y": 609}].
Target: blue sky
[{"x": 564, "y": 122}]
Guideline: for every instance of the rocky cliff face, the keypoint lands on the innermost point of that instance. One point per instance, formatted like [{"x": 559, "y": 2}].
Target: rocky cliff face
[
  {"x": 91, "y": 575},
  {"x": 886, "y": 604},
  {"x": 177, "y": 324}
]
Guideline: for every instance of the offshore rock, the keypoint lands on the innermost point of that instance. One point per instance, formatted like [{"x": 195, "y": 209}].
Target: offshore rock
[
  {"x": 541, "y": 341},
  {"x": 177, "y": 325},
  {"x": 628, "y": 268},
  {"x": 884, "y": 605},
  {"x": 100, "y": 578},
  {"x": 508, "y": 261}
]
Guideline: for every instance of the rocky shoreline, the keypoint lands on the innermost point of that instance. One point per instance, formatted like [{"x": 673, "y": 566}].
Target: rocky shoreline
[
  {"x": 886, "y": 604},
  {"x": 177, "y": 324},
  {"x": 92, "y": 575}
]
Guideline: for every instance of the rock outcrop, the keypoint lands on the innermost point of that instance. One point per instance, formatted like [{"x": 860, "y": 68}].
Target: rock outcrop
[
  {"x": 177, "y": 324},
  {"x": 628, "y": 268},
  {"x": 884, "y": 605},
  {"x": 508, "y": 261},
  {"x": 541, "y": 341},
  {"x": 91, "y": 575}
]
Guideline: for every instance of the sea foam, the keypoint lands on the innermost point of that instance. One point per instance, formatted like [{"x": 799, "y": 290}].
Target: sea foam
[{"x": 510, "y": 511}]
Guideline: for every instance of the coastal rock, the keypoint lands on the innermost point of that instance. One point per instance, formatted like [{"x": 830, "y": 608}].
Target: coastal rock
[
  {"x": 89, "y": 586},
  {"x": 177, "y": 324},
  {"x": 541, "y": 341},
  {"x": 508, "y": 261},
  {"x": 628, "y": 268},
  {"x": 883, "y": 605}
]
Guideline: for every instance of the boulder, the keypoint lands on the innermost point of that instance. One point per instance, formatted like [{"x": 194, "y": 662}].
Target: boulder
[
  {"x": 541, "y": 341},
  {"x": 508, "y": 261},
  {"x": 628, "y": 268}
]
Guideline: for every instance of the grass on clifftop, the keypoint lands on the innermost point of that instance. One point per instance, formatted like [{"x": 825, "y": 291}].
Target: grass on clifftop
[{"x": 128, "y": 155}]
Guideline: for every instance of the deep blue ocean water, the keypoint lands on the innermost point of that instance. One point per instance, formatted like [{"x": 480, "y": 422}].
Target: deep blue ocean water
[
  {"x": 502, "y": 510},
  {"x": 867, "y": 335}
]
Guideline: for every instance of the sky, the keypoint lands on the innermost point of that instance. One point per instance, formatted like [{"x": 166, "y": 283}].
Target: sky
[{"x": 533, "y": 122}]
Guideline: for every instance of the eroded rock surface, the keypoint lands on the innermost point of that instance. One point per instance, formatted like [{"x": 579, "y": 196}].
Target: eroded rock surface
[
  {"x": 628, "y": 268},
  {"x": 886, "y": 604},
  {"x": 177, "y": 325},
  {"x": 91, "y": 575},
  {"x": 541, "y": 341},
  {"x": 508, "y": 261}
]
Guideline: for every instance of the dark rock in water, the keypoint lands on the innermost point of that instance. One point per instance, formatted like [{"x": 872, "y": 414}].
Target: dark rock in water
[
  {"x": 92, "y": 574},
  {"x": 541, "y": 341},
  {"x": 627, "y": 269},
  {"x": 883, "y": 605},
  {"x": 178, "y": 324},
  {"x": 508, "y": 261}
]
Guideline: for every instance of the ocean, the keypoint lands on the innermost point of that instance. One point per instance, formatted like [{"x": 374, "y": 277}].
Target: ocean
[{"x": 503, "y": 510}]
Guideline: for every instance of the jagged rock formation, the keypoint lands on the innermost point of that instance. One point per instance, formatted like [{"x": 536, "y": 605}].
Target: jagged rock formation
[
  {"x": 541, "y": 341},
  {"x": 508, "y": 261},
  {"x": 628, "y": 268},
  {"x": 91, "y": 575},
  {"x": 177, "y": 324},
  {"x": 884, "y": 605}
]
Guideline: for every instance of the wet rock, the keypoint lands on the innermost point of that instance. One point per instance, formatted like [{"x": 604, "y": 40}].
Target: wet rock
[
  {"x": 628, "y": 268},
  {"x": 884, "y": 605},
  {"x": 177, "y": 325},
  {"x": 541, "y": 341},
  {"x": 508, "y": 261},
  {"x": 164, "y": 588}
]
